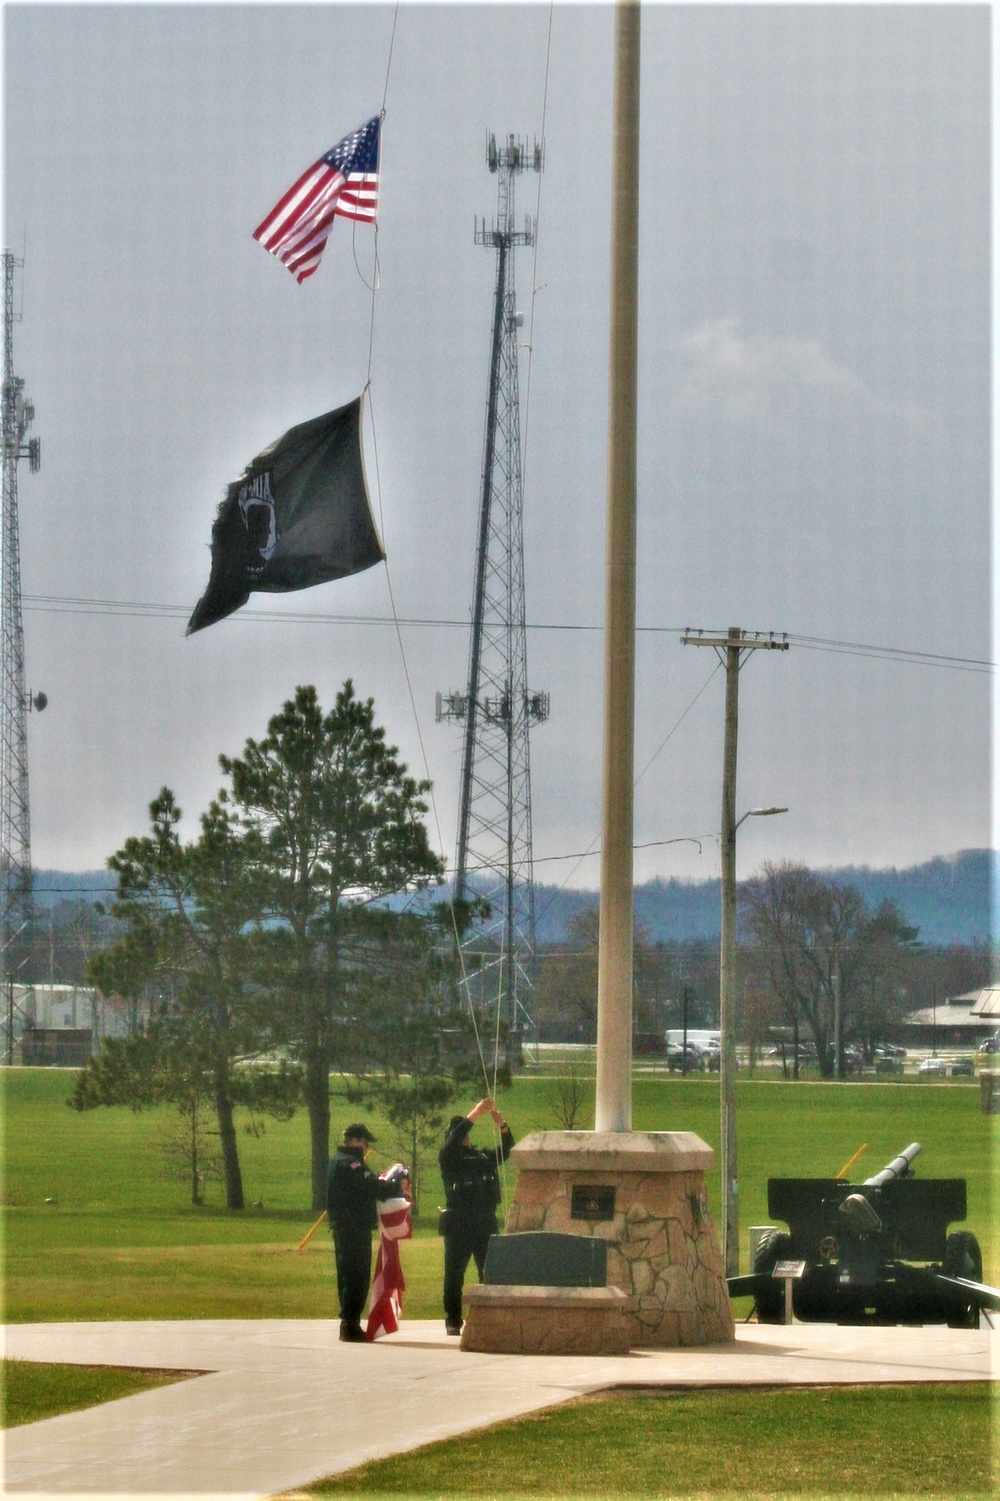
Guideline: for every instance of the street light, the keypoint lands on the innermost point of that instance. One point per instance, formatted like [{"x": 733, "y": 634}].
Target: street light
[
  {"x": 727, "y": 1026},
  {"x": 759, "y": 813}
]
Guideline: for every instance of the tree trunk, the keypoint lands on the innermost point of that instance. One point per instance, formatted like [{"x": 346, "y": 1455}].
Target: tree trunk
[
  {"x": 193, "y": 1156},
  {"x": 319, "y": 1057},
  {"x": 318, "y": 1103},
  {"x": 232, "y": 1176}
]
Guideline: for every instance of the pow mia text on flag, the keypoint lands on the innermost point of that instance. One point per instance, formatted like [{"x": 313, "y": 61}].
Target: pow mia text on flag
[{"x": 256, "y": 505}]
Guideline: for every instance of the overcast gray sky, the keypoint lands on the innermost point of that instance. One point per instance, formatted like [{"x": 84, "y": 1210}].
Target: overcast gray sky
[{"x": 814, "y": 432}]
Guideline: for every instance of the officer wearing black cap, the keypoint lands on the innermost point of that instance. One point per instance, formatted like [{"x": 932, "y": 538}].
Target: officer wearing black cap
[
  {"x": 352, "y": 1191},
  {"x": 471, "y": 1177}
]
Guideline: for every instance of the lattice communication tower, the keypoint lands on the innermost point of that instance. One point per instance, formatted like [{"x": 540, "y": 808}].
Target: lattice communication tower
[
  {"x": 494, "y": 857},
  {"x": 15, "y": 820}
]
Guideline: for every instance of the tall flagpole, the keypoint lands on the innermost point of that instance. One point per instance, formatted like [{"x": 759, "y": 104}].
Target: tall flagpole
[
  {"x": 614, "y": 979},
  {"x": 667, "y": 1261}
]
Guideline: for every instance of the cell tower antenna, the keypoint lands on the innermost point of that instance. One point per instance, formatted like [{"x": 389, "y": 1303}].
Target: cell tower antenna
[
  {"x": 497, "y": 709},
  {"x": 15, "y": 703}
]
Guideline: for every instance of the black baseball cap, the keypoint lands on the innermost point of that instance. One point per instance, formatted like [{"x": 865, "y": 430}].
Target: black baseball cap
[
  {"x": 358, "y": 1132},
  {"x": 459, "y": 1124}
]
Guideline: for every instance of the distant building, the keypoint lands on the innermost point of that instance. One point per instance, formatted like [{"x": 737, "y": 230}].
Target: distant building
[
  {"x": 957, "y": 1020},
  {"x": 56, "y": 1047},
  {"x": 51, "y": 1023},
  {"x": 988, "y": 1005}
]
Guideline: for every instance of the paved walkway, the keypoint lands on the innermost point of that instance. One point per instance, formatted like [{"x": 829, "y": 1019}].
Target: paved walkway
[{"x": 267, "y": 1415}]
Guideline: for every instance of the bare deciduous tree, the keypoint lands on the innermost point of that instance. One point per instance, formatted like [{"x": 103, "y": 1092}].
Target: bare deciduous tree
[{"x": 823, "y": 949}]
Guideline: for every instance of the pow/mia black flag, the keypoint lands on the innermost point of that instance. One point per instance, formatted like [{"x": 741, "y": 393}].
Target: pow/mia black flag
[{"x": 299, "y": 515}]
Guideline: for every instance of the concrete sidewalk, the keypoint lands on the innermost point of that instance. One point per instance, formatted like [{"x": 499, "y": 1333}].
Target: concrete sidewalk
[{"x": 283, "y": 1403}]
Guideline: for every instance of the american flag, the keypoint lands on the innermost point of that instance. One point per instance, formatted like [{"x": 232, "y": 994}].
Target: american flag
[
  {"x": 388, "y": 1285},
  {"x": 344, "y": 182}
]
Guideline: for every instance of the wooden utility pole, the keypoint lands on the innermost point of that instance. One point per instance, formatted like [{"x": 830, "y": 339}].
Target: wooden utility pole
[
  {"x": 614, "y": 976},
  {"x": 730, "y": 649}
]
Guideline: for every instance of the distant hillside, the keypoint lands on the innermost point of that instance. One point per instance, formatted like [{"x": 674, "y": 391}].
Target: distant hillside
[
  {"x": 948, "y": 899},
  {"x": 666, "y": 910}
]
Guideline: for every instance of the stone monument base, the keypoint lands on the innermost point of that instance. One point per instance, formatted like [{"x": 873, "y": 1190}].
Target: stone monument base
[
  {"x": 644, "y": 1193},
  {"x": 546, "y": 1320}
]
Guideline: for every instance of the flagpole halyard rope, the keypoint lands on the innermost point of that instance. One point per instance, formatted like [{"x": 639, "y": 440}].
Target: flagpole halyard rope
[
  {"x": 373, "y": 288},
  {"x": 420, "y": 736},
  {"x": 388, "y": 61}
]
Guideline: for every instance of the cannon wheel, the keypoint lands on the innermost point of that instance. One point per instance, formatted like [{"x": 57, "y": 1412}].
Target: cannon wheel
[
  {"x": 963, "y": 1258},
  {"x": 770, "y": 1300}
]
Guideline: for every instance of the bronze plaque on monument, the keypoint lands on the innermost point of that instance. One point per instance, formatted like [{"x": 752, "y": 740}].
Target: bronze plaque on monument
[{"x": 588, "y": 1202}]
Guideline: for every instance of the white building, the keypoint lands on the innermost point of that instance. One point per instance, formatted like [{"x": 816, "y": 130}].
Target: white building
[{"x": 53, "y": 1007}]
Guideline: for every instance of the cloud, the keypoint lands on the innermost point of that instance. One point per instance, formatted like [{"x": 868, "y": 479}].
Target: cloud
[{"x": 765, "y": 382}]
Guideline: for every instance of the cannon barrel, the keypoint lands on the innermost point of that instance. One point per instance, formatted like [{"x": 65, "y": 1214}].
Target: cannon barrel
[{"x": 897, "y": 1168}]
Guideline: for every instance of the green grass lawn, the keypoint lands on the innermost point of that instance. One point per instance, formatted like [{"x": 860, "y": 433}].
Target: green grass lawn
[
  {"x": 92, "y": 1229},
  {"x": 33, "y": 1389},
  {"x": 901, "y": 1441}
]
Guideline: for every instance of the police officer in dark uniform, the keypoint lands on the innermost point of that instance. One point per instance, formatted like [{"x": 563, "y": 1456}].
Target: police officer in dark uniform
[
  {"x": 471, "y": 1179},
  {"x": 352, "y": 1191}
]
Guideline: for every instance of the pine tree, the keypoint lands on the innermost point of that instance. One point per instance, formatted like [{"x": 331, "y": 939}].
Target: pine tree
[{"x": 337, "y": 824}]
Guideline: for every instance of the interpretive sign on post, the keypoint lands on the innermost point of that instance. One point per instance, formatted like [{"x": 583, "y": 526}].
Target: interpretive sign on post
[{"x": 789, "y": 1272}]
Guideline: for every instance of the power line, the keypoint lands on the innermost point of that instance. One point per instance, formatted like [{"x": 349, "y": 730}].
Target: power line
[
  {"x": 892, "y": 653},
  {"x": 67, "y": 605},
  {"x": 649, "y": 844},
  {"x": 39, "y": 892}
]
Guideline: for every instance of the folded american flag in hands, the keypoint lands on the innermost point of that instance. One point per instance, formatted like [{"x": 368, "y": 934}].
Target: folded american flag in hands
[{"x": 388, "y": 1286}]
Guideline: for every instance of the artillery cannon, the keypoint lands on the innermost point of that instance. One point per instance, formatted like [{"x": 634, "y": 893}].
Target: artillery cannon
[{"x": 859, "y": 1244}]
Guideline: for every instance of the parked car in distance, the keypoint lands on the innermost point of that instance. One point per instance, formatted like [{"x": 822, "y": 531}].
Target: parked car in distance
[
  {"x": 890, "y": 1050},
  {"x": 675, "y": 1058},
  {"x": 888, "y": 1063},
  {"x": 961, "y": 1068},
  {"x": 934, "y": 1067},
  {"x": 807, "y": 1052}
]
